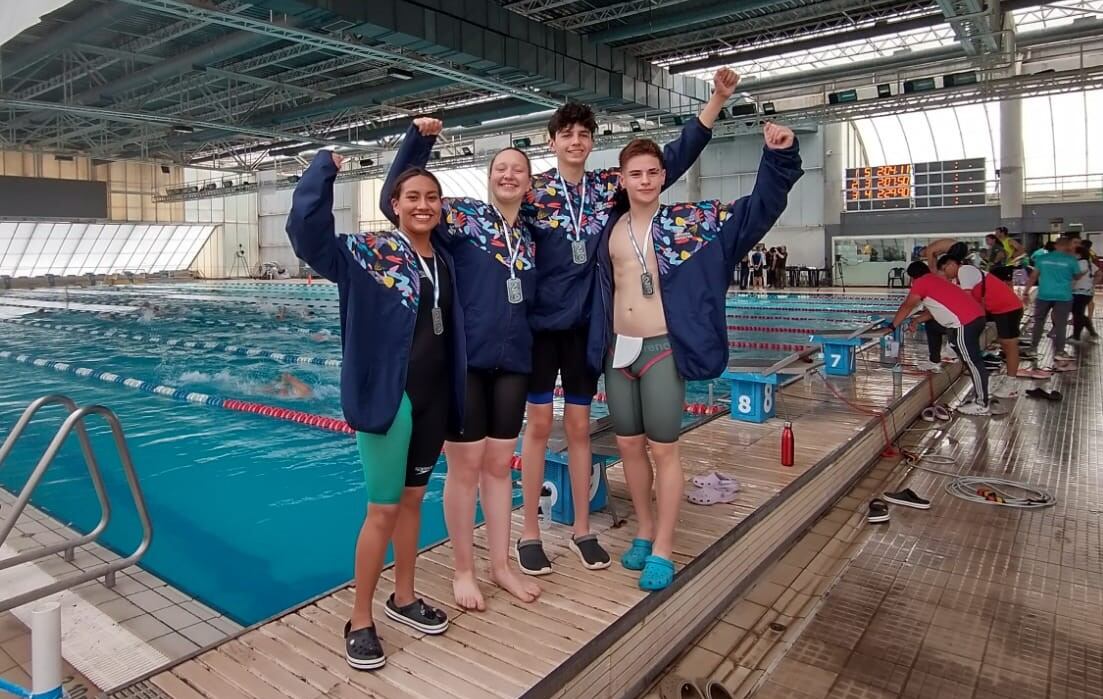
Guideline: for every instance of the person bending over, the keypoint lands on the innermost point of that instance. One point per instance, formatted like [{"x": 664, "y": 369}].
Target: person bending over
[
  {"x": 403, "y": 368},
  {"x": 658, "y": 320},
  {"x": 496, "y": 279},
  {"x": 1002, "y": 307},
  {"x": 569, "y": 209},
  {"x": 962, "y": 317}
]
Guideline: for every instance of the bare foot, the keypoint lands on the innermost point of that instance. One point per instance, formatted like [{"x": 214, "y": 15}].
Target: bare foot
[
  {"x": 524, "y": 590},
  {"x": 466, "y": 590}
]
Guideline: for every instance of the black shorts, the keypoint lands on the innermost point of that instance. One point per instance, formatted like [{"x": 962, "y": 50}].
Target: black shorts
[
  {"x": 494, "y": 405},
  {"x": 563, "y": 352},
  {"x": 1007, "y": 324}
]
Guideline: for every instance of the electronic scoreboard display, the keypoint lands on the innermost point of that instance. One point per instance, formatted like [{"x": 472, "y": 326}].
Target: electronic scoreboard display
[
  {"x": 881, "y": 187},
  {"x": 950, "y": 183},
  {"x": 916, "y": 185}
]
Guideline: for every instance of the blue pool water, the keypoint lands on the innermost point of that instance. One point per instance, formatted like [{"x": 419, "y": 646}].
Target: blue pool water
[{"x": 251, "y": 515}]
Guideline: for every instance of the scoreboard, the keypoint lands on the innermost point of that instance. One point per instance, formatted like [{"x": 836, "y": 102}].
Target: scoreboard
[
  {"x": 919, "y": 185},
  {"x": 950, "y": 183},
  {"x": 881, "y": 187}
]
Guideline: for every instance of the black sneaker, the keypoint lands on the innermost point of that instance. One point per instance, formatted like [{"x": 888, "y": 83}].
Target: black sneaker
[
  {"x": 589, "y": 551},
  {"x": 531, "y": 557},
  {"x": 908, "y": 498},
  {"x": 363, "y": 651},
  {"x": 418, "y": 615},
  {"x": 878, "y": 511}
]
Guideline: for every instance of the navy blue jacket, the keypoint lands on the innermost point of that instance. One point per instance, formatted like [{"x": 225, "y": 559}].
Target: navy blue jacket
[
  {"x": 498, "y": 332},
  {"x": 697, "y": 247},
  {"x": 378, "y": 282},
  {"x": 563, "y": 288}
]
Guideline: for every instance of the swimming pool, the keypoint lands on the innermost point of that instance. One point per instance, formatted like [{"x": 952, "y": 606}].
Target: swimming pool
[{"x": 252, "y": 515}]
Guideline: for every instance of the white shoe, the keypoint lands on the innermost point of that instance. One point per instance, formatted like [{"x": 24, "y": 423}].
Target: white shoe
[
  {"x": 928, "y": 365},
  {"x": 1004, "y": 387},
  {"x": 973, "y": 408}
]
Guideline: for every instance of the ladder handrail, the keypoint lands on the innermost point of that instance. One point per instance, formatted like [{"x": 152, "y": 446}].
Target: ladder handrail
[
  {"x": 75, "y": 420},
  {"x": 93, "y": 472}
]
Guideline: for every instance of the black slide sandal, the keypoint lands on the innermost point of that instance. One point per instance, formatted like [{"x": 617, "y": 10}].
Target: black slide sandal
[{"x": 878, "y": 511}]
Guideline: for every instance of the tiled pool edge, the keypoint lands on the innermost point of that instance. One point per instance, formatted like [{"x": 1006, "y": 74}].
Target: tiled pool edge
[{"x": 149, "y": 615}]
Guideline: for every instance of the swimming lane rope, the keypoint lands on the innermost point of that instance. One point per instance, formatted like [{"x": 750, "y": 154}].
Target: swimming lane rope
[
  {"x": 232, "y": 404},
  {"x": 176, "y": 342}
]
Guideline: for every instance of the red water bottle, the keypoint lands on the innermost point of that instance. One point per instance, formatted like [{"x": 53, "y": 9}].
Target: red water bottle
[{"x": 787, "y": 446}]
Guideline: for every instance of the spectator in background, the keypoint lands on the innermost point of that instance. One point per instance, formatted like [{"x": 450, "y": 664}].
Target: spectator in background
[
  {"x": 744, "y": 272},
  {"x": 1083, "y": 292},
  {"x": 781, "y": 261},
  {"x": 996, "y": 255},
  {"x": 771, "y": 279},
  {"x": 758, "y": 267}
]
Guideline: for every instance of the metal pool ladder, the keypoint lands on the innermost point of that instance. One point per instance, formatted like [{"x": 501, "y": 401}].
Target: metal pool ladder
[{"x": 73, "y": 421}]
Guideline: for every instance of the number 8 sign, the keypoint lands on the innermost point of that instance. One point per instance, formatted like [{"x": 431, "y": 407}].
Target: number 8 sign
[{"x": 768, "y": 400}]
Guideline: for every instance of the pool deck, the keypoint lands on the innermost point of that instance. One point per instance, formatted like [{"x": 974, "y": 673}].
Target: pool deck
[{"x": 591, "y": 634}]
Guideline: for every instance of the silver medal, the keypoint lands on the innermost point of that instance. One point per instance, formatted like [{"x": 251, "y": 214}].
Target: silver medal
[
  {"x": 578, "y": 251},
  {"x": 514, "y": 294},
  {"x": 648, "y": 284},
  {"x": 438, "y": 322}
]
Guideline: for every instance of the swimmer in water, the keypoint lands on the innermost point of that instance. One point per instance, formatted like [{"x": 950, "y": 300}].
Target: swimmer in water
[
  {"x": 322, "y": 336},
  {"x": 281, "y": 313},
  {"x": 290, "y": 387}
]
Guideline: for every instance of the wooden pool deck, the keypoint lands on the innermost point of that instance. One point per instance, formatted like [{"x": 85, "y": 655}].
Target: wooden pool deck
[{"x": 591, "y": 634}]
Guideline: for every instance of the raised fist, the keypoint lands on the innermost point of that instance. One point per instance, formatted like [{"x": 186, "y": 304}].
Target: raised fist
[
  {"x": 725, "y": 81},
  {"x": 337, "y": 159},
  {"x": 778, "y": 137},
  {"x": 427, "y": 126}
]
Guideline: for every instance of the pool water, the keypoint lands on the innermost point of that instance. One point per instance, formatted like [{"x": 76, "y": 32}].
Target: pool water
[{"x": 251, "y": 515}]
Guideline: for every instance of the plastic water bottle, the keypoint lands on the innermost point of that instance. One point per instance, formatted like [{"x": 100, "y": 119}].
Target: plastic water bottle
[
  {"x": 545, "y": 507},
  {"x": 897, "y": 376},
  {"x": 788, "y": 447}
]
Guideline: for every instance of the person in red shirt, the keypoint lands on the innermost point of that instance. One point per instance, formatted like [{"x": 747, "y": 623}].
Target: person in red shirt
[
  {"x": 962, "y": 317},
  {"x": 1002, "y": 306}
]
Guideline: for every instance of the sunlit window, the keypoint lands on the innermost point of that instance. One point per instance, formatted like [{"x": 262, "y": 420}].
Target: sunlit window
[{"x": 35, "y": 248}]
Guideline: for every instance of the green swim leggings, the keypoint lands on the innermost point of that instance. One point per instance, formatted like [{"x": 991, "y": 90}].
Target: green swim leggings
[
  {"x": 647, "y": 397},
  {"x": 405, "y": 455}
]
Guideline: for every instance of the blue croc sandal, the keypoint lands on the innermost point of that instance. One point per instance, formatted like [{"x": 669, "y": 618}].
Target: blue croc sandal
[
  {"x": 636, "y": 555},
  {"x": 657, "y": 573}
]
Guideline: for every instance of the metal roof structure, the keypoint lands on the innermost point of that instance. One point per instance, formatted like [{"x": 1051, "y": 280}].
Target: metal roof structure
[{"x": 236, "y": 83}]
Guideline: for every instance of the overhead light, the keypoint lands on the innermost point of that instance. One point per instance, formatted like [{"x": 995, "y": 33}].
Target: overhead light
[
  {"x": 959, "y": 79},
  {"x": 522, "y": 143},
  {"x": 467, "y": 151},
  {"x": 435, "y": 155},
  {"x": 180, "y": 128},
  {"x": 884, "y": 90},
  {"x": 918, "y": 85},
  {"x": 842, "y": 97},
  {"x": 636, "y": 126},
  {"x": 166, "y": 170},
  {"x": 367, "y": 162},
  {"x": 227, "y": 183},
  {"x": 768, "y": 108},
  {"x": 292, "y": 178},
  {"x": 743, "y": 109},
  {"x": 679, "y": 120},
  {"x": 64, "y": 158},
  {"x": 399, "y": 74},
  {"x": 722, "y": 115},
  {"x": 607, "y": 131}
]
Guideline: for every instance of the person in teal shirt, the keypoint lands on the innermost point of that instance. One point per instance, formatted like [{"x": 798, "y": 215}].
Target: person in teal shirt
[
  {"x": 1048, "y": 248},
  {"x": 1054, "y": 274}
]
